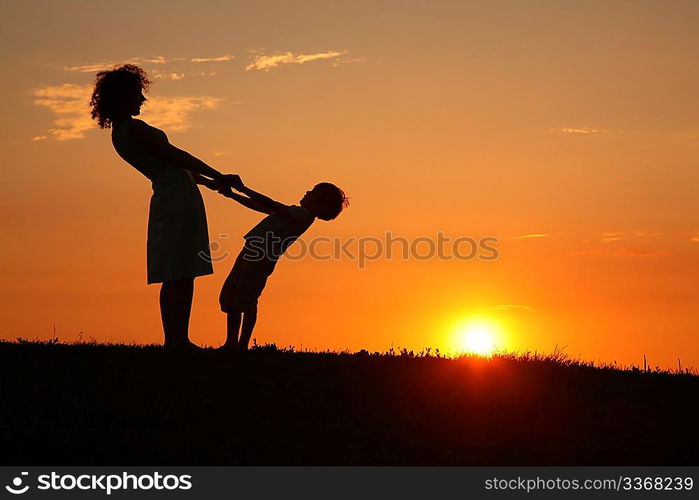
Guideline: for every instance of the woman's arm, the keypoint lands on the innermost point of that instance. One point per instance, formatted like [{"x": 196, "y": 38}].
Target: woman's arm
[
  {"x": 145, "y": 135},
  {"x": 205, "y": 181}
]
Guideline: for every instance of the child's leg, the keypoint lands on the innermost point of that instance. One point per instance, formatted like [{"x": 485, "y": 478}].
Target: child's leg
[
  {"x": 249, "y": 319},
  {"x": 232, "y": 329}
]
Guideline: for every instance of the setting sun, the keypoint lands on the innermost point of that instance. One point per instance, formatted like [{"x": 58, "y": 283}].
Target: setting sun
[
  {"x": 479, "y": 340},
  {"x": 476, "y": 336}
]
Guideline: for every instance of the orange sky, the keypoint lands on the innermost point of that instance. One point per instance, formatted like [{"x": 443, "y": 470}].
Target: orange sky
[{"x": 576, "y": 121}]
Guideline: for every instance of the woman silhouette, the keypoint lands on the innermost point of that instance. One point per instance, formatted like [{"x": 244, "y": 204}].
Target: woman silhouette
[{"x": 178, "y": 240}]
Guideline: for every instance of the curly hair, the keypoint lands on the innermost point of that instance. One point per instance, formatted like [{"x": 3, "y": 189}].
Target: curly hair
[
  {"x": 334, "y": 200},
  {"x": 111, "y": 86}
]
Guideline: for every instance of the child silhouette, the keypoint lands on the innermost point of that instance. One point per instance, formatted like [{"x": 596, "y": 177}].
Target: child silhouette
[{"x": 264, "y": 245}]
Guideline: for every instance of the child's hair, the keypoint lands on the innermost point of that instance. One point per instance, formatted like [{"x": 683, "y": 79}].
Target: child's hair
[
  {"x": 111, "y": 86},
  {"x": 333, "y": 200}
]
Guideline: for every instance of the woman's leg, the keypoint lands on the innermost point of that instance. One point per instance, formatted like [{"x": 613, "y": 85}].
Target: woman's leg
[
  {"x": 249, "y": 320},
  {"x": 175, "y": 309}
]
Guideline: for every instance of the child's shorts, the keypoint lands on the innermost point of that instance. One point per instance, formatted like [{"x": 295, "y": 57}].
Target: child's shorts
[{"x": 245, "y": 283}]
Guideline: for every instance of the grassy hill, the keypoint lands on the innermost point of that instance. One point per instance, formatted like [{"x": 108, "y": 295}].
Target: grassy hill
[{"x": 86, "y": 404}]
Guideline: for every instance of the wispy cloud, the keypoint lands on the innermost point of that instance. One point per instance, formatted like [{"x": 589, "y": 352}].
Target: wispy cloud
[
  {"x": 612, "y": 236},
  {"x": 695, "y": 237},
  {"x": 347, "y": 60},
  {"x": 633, "y": 252},
  {"x": 69, "y": 104},
  {"x": 176, "y": 68},
  {"x": 168, "y": 76},
  {"x": 516, "y": 307},
  {"x": 532, "y": 236},
  {"x": 225, "y": 58},
  {"x": 621, "y": 252},
  {"x": 646, "y": 234},
  {"x": 608, "y": 237},
  {"x": 268, "y": 62},
  {"x": 90, "y": 68},
  {"x": 578, "y": 131},
  {"x": 99, "y": 66},
  {"x": 173, "y": 113},
  {"x": 164, "y": 75},
  {"x": 152, "y": 60}
]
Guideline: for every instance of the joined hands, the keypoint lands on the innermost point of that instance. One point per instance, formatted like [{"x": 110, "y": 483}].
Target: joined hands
[
  {"x": 226, "y": 183},
  {"x": 222, "y": 184},
  {"x": 231, "y": 181}
]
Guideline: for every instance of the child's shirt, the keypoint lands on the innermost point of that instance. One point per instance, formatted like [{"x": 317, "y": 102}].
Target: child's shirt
[{"x": 276, "y": 232}]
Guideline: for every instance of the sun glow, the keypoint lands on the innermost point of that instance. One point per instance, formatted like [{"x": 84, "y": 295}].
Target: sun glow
[
  {"x": 479, "y": 341},
  {"x": 480, "y": 337}
]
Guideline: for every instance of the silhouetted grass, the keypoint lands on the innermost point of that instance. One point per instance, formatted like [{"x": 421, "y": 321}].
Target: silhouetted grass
[{"x": 90, "y": 403}]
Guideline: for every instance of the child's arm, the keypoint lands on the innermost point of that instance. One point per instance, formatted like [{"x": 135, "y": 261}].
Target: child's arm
[
  {"x": 265, "y": 202},
  {"x": 243, "y": 200}
]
